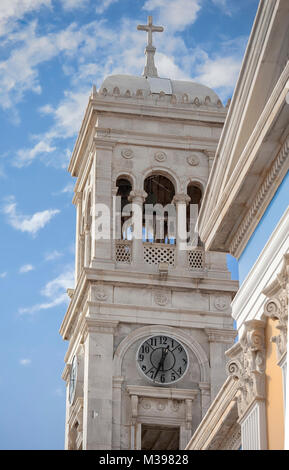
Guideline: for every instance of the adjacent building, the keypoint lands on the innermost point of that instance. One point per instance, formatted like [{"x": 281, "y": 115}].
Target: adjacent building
[{"x": 245, "y": 212}]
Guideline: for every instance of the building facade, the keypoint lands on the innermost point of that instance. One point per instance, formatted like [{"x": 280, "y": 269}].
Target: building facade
[
  {"x": 245, "y": 212},
  {"x": 148, "y": 322}
]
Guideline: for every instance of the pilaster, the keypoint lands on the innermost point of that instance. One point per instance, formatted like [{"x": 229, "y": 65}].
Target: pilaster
[
  {"x": 97, "y": 414},
  {"x": 220, "y": 340}
]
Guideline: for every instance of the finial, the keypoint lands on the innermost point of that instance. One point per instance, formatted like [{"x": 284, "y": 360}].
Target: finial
[{"x": 150, "y": 69}]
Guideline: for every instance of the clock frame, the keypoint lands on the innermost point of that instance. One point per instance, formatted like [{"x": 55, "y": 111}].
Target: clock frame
[{"x": 162, "y": 359}]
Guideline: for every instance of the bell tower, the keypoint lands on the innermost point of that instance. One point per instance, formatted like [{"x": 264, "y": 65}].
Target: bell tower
[{"x": 149, "y": 317}]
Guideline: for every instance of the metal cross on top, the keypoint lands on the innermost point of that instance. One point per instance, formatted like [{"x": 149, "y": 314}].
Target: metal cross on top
[{"x": 150, "y": 69}]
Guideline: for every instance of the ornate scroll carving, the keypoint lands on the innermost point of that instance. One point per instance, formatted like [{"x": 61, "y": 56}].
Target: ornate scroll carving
[
  {"x": 276, "y": 307},
  {"x": 247, "y": 365}
]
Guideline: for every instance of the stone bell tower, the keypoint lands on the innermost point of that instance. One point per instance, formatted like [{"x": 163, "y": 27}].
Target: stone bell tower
[{"x": 148, "y": 322}]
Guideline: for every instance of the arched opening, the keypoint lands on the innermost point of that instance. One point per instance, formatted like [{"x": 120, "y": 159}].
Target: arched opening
[
  {"x": 124, "y": 189},
  {"x": 159, "y": 211},
  {"x": 195, "y": 193}
]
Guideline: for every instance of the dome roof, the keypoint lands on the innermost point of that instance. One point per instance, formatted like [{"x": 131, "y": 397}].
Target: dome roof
[{"x": 185, "y": 91}]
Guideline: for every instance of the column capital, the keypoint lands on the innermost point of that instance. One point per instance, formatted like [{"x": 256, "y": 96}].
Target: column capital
[
  {"x": 94, "y": 325},
  {"x": 181, "y": 198},
  {"x": 247, "y": 365},
  {"x": 277, "y": 306},
  {"x": 137, "y": 196}
]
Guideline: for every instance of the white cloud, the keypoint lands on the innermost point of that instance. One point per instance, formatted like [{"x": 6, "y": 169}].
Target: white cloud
[
  {"x": 175, "y": 14},
  {"x": 72, "y": 4},
  {"x": 27, "y": 223},
  {"x": 102, "y": 5},
  {"x": 68, "y": 189},
  {"x": 19, "y": 73},
  {"x": 54, "y": 291},
  {"x": 11, "y": 10},
  {"x": 219, "y": 73},
  {"x": 26, "y": 156},
  {"x": 25, "y": 362},
  {"x": 53, "y": 255},
  {"x": 26, "y": 268},
  {"x": 67, "y": 117},
  {"x": 2, "y": 275}
]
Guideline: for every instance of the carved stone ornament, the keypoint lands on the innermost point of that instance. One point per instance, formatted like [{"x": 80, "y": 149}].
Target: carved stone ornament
[
  {"x": 276, "y": 307},
  {"x": 247, "y": 365},
  {"x": 174, "y": 405},
  {"x": 161, "y": 405},
  {"x": 160, "y": 156},
  {"x": 127, "y": 153},
  {"x": 193, "y": 160},
  {"x": 146, "y": 404},
  {"x": 221, "y": 303},
  {"x": 161, "y": 298},
  {"x": 101, "y": 295}
]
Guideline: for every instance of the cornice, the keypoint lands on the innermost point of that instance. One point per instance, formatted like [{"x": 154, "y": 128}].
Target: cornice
[
  {"x": 131, "y": 279},
  {"x": 265, "y": 193},
  {"x": 209, "y": 228},
  {"x": 265, "y": 16},
  {"x": 159, "y": 392}
]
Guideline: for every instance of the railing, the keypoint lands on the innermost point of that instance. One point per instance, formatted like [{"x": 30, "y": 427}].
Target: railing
[
  {"x": 156, "y": 253},
  {"x": 123, "y": 251},
  {"x": 196, "y": 259}
]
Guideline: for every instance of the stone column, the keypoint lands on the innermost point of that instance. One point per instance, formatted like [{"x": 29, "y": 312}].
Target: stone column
[
  {"x": 211, "y": 157},
  {"x": 205, "y": 388},
  {"x": 247, "y": 366},
  {"x": 181, "y": 201},
  {"x": 220, "y": 340},
  {"x": 116, "y": 412},
  {"x": 137, "y": 199},
  {"x": 134, "y": 424},
  {"x": 97, "y": 394}
]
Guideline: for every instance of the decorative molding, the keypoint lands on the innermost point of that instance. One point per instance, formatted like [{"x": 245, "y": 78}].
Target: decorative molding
[
  {"x": 276, "y": 307},
  {"x": 222, "y": 414},
  {"x": 247, "y": 365},
  {"x": 193, "y": 160},
  {"x": 264, "y": 190},
  {"x": 160, "y": 156},
  {"x": 100, "y": 294},
  {"x": 217, "y": 335},
  {"x": 161, "y": 298},
  {"x": 233, "y": 439},
  {"x": 127, "y": 153},
  {"x": 222, "y": 303},
  {"x": 162, "y": 393}
]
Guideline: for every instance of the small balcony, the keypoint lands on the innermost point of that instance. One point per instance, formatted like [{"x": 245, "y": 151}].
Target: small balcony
[{"x": 156, "y": 253}]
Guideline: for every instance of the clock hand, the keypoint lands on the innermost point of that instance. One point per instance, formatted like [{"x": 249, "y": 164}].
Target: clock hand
[{"x": 162, "y": 360}]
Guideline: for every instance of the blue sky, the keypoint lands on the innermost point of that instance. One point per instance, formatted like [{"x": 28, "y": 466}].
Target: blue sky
[{"x": 51, "y": 52}]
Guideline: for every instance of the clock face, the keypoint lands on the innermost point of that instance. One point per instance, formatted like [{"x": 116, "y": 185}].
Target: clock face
[
  {"x": 72, "y": 380},
  {"x": 162, "y": 359}
]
